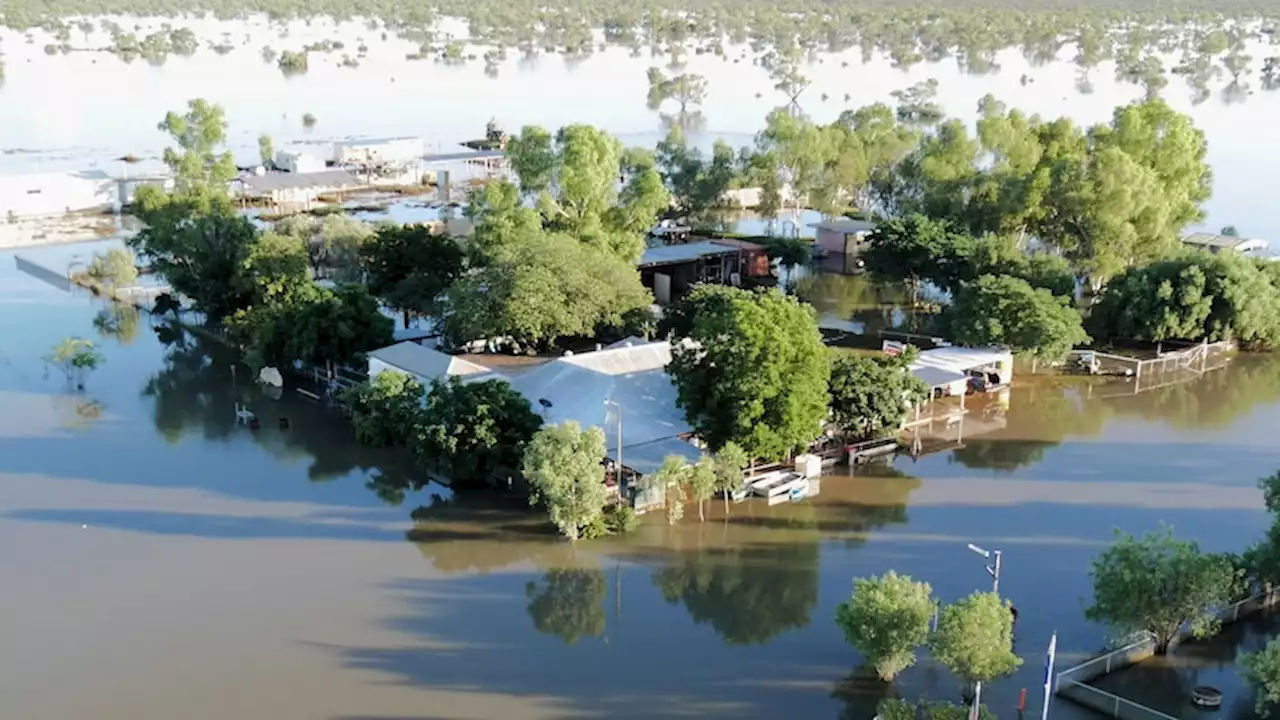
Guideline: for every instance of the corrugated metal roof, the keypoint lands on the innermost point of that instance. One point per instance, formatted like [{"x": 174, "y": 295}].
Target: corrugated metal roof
[
  {"x": 1213, "y": 240},
  {"x": 844, "y": 225},
  {"x": 281, "y": 181},
  {"x": 936, "y": 377},
  {"x": 672, "y": 254},
  {"x": 412, "y": 357},
  {"x": 635, "y": 378},
  {"x": 962, "y": 359}
]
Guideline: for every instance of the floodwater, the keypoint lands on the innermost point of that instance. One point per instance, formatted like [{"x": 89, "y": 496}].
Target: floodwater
[
  {"x": 161, "y": 560},
  {"x": 72, "y": 111}
]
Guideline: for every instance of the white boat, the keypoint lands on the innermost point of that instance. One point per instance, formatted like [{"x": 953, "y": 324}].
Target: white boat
[{"x": 780, "y": 484}]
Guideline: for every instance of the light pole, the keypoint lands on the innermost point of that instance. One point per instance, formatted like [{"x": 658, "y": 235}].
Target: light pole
[
  {"x": 618, "y": 405},
  {"x": 994, "y": 570}
]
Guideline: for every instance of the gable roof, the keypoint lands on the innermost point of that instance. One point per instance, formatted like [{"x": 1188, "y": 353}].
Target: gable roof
[
  {"x": 577, "y": 387},
  {"x": 422, "y": 361},
  {"x": 687, "y": 252}
]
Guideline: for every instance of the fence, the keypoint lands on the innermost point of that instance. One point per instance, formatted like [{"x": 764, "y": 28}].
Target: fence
[{"x": 1072, "y": 682}]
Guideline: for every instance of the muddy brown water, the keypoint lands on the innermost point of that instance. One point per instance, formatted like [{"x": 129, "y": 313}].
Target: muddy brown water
[{"x": 160, "y": 560}]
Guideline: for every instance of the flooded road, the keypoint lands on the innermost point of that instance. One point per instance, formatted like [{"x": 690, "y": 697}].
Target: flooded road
[{"x": 162, "y": 561}]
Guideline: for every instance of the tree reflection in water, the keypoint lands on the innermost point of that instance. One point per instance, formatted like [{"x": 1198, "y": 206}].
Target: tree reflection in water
[
  {"x": 200, "y": 385},
  {"x": 118, "y": 321},
  {"x": 569, "y": 603},
  {"x": 1214, "y": 400}
]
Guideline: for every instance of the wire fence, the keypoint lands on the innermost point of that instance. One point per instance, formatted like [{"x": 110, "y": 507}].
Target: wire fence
[
  {"x": 1108, "y": 704},
  {"x": 1123, "y": 657}
]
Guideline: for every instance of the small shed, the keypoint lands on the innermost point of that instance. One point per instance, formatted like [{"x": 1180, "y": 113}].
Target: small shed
[
  {"x": 1218, "y": 243},
  {"x": 423, "y": 363},
  {"x": 296, "y": 189},
  {"x": 754, "y": 256},
  {"x": 841, "y": 236},
  {"x": 671, "y": 270}
]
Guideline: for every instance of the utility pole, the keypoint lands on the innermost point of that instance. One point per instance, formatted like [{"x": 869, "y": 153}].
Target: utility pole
[{"x": 994, "y": 570}]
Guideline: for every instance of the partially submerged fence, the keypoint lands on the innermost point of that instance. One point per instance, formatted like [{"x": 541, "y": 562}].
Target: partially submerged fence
[{"x": 1072, "y": 683}]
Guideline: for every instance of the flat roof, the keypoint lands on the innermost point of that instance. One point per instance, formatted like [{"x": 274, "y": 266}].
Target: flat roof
[
  {"x": 936, "y": 377},
  {"x": 283, "y": 180},
  {"x": 688, "y": 252},
  {"x": 1219, "y": 241},
  {"x": 962, "y": 359},
  {"x": 422, "y": 361},
  {"x": 362, "y": 142},
  {"x": 844, "y": 225},
  {"x": 464, "y": 156},
  {"x": 740, "y": 244}
]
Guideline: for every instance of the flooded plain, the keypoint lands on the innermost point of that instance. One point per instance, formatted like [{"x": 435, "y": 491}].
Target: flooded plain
[{"x": 161, "y": 560}]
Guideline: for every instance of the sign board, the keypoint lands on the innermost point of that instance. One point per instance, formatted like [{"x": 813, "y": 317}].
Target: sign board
[{"x": 893, "y": 348}]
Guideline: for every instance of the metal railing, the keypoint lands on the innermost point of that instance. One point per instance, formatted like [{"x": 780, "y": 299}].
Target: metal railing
[
  {"x": 1123, "y": 657},
  {"x": 1111, "y": 705}
]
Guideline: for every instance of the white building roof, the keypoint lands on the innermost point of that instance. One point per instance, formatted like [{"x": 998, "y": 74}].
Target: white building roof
[
  {"x": 847, "y": 226},
  {"x": 425, "y": 362},
  {"x": 577, "y": 388},
  {"x": 962, "y": 359},
  {"x": 936, "y": 377},
  {"x": 308, "y": 180},
  {"x": 1226, "y": 242}
]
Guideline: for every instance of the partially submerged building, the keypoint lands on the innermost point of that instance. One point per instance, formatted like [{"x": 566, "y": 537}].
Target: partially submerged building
[
  {"x": 670, "y": 271},
  {"x": 425, "y": 364},
  {"x": 841, "y": 236},
  {"x": 36, "y": 195},
  {"x": 947, "y": 370},
  {"x": 1254, "y": 247},
  {"x": 294, "y": 190},
  {"x": 624, "y": 390}
]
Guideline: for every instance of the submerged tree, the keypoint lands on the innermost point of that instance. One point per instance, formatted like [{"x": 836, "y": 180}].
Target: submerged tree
[
  {"x": 871, "y": 395},
  {"x": 564, "y": 466},
  {"x": 974, "y": 639},
  {"x": 1003, "y": 310},
  {"x": 1160, "y": 584},
  {"x": 886, "y": 620},
  {"x": 386, "y": 409},
  {"x": 76, "y": 357},
  {"x": 472, "y": 431}
]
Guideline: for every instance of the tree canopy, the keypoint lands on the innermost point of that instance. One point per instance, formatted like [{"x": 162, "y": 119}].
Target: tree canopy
[
  {"x": 755, "y": 372},
  {"x": 974, "y": 639},
  {"x": 564, "y": 465},
  {"x": 409, "y": 267},
  {"x": 886, "y": 620},
  {"x": 543, "y": 289},
  {"x": 1003, "y": 310},
  {"x": 697, "y": 184},
  {"x": 1196, "y": 296},
  {"x": 1161, "y": 584},
  {"x": 386, "y": 409},
  {"x": 473, "y": 430},
  {"x": 317, "y": 326},
  {"x": 871, "y": 395},
  {"x": 574, "y": 176}
]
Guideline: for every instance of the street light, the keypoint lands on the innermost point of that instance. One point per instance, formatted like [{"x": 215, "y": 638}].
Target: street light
[{"x": 994, "y": 570}]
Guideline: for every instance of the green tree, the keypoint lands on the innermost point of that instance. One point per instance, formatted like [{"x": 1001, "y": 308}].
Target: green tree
[
  {"x": 541, "y": 290},
  {"x": 266, "y": 150},
  {"x": 202, "y": 256},
  {"x": 341, "y": 237},
  {"x": 886, "y": 620},
  {"x": 115, "y": 268},
  {"x": 474, "y": 430},
  {"x": 564, "y": 466},
  {"x": 198, "y": 162},
  {"x": 697, "y": 184},
  {"x": 575, "y": 180},
  {"x": 277, "y": 268},
  {"x": 409, "y": 267},
  {"x": 76, "y": 357},
  {"x": 569, "y": 604},
  {"x": 899, "y": 709},
  {"x": 729, "y": 462},
  {"x": 702, "y": 484},
  {"x": 1002, "y": 310},
  {"x": 1262, "y": 672},
  {"x": 871, "y": 395},
  {"x": 315, "y": 325},
  {"x": 1161, "y": 584},
  {"x": 308, "y": 120},
  {"x": 1196, "y": 296},
  {"x": 386, "y": 409},
  {"x": 908, "y": 249},
  {"x": 500, "y": 220},
  {"x": 756, "y": 373},
  {"x": 974, "y": 639},
  {"x": 672, "y": 476}
]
